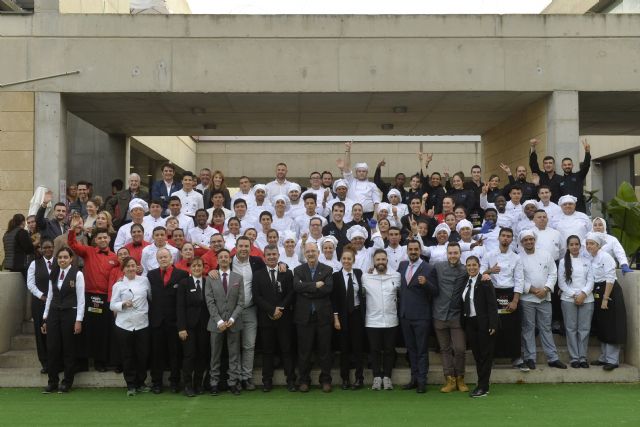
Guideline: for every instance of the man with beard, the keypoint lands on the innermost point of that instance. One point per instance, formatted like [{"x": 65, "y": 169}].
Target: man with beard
[
  {"x": 528, "y": 188},
  {"x": 573, "y": 182},
  {"x": 548, "y": 175}
]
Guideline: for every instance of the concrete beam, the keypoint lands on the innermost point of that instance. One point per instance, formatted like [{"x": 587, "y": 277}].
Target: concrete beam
[
  {"x": 50, "y": 158},
  {"x": 207, "y": 53}
]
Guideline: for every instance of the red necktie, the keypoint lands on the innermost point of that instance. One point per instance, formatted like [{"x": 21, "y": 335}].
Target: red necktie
[
  {"x": 224, "y": 282},
  {"x": 62, "y": 275}
]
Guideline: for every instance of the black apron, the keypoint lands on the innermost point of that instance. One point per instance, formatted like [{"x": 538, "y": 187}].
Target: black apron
[
  {"x": 611, "y": 324},
  {"x": 507, "y": 342}
]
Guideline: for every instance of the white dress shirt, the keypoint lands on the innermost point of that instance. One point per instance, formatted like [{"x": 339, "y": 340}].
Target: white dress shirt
[
  {"x": 31, "y": 277},
  {"x": 471, "y": 289},
  {"x": 138, "y": 291},
  {"x": 511, "y": 274},
  {"x": 185, "y": 223},
  {"x": 603, "y": 267},
  {"x": 539, "y": 272},
  {"x": 291, "y": 261},
  {"x": 356, "y": 286},
  {"x": 348, "y": 207},
  {"x": 148, "y": 257},
  {"x": 615, "y": 249},
  {"x": 553, "y": 210},
  {"x": 150, "y": 223},
  {"x": 244, "y": 269},
  {"x": 395, "y": 256},
  {"x": 79, "y": 287},
  {"x": 202, "y": 236},
  {"x": 551, "y": 241},
  {"x": 576, "y": 223},
  {"x": 274, "y": 188},
  {"x": 124, "y": 235},
  {"x": 362, "y": 191},
  {"x": 191, "y": 202},
  {"x": 303, "y": 219},
  {"x": 381, "y": 292},
  {"x": 581, "y": 279},
  {"x": 227, "y": 214}
]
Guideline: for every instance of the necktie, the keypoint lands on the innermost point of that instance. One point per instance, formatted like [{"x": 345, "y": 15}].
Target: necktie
[
  {"x": 224, "y": 282},
  {"x": 49, "y": 265},
  {"x": 274, "y": 281},
  {"x": 62, "y": 275},
  {"x": 198, "y": 284},
  {"x": 409, "y": 273},
  {"x": 350, "y": 304},
  {"x": 467, "y": 299}
]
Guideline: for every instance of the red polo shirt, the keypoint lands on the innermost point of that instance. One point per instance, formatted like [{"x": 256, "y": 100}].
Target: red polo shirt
[
  {"x": 97, "y": 265},
  {"x": 135, "y": 251}
]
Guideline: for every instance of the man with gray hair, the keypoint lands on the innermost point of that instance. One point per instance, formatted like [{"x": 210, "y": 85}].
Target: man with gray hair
[
  {"x": 118, "y": 206},
  {"x": 540, "y": 275}
]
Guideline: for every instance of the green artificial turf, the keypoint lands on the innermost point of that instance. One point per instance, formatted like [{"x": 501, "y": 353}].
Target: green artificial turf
[{"x": 508, "y": 405}]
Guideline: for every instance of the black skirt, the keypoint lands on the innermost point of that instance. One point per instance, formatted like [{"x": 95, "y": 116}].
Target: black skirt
[{"x": 610, "y": 324}]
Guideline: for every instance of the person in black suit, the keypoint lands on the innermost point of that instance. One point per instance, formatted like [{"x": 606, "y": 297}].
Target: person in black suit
[
  {"x": 192, "y": 317},
  {"x": 51, "y": 228},
  {"x": 416, "y": 293},
  {"x": 162, "y": 190},
  {"x": 348, "y": 301},
  {"x": 313, "y": 316},
  {"x": 162, "y": 316},
  {"x": 273, "y": 294},
  {"x": 480, "y": 322}
]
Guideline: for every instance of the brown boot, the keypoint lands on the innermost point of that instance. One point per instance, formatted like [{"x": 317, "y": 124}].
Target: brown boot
[
  {"x": 449, "y": 386},
  {"x": 461, "y": 385}
]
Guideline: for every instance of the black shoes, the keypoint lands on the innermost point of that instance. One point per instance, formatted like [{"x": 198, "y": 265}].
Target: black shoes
[
  {"x": 64, "y": 388},
  {"x": 531, "y": 364},
  {"x": 410, "y": 385},
  {"x": 291, "y": 387},
  {"x": 421, "y": 388},
  {"x": 267, "y": 386},
  {"x": 50, "y": 388},
  {"x": 357, "y": 385},
  {"x": 188, "y": 391},
  {"x": 610, "y": 366},
  {"x": 156, "y": 389},
  {"x": 584, "y": 364},
  {"x": 575, "y": 364},
  {"x": 597, "y": 363},
  {"x": 235, "y": 390},
  {"x": 346, "y": 385},
  {"x": 557, "y": 364},
  {"x": 248, "y": 385},
  {"x": 479, "y": 392},
  {"x": 214, "y": 390},
  {"x": 175, "y": 388}
]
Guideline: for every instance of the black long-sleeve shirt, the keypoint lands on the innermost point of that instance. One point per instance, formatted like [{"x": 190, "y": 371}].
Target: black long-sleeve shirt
[{"x": 573, "y": 183}]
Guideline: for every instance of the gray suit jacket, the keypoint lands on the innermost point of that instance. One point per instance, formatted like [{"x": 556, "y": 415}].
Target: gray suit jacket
[{"x": 224, "y": 306}]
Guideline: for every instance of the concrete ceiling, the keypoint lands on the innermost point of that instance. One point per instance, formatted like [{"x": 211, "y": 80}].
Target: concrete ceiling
[
  {"x": 609, "y": 113},
  {"x": 362, "y": 113}
]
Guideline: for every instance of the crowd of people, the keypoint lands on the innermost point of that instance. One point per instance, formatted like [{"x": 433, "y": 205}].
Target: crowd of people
[{"x": 190, "y": 278}]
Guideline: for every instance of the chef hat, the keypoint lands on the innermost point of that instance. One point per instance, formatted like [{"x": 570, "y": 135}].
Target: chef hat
[
  {"x": 289, "y": 235},
  {"x": 596, "y": 237},
  {"x": 293, "y": 186},
  {"x": 394, "y": 192},
  {"x": 340, "y": 183},
  {"x": 329, "y": 239},
  {"x": 602, "y": 220},
  {"x": 384, "y": 207},
  {"x": 259, "y": 187},
  {"x": 441, "y": 227},
  {"x": 526, "y": 233},
  {"x": 284, "y": 198},
  {"x": 529, "y": 202},
  {"x": 357, "y": 231},
  {"x": 138, "y": 203},
  {"x": 567, "y": 199},
  {"x": 464, "y": 224},
  {"x": 362, "y": 165}
]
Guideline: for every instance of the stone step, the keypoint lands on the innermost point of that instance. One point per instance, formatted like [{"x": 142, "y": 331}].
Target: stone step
[
  {"x": 27, "y": 327},
  {"x": 29, "y": 377},
  {"x": 23, "y": 342}
]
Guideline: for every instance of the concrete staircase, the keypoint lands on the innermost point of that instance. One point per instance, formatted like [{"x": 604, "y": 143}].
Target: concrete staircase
[{"x": 19, "y": 367}]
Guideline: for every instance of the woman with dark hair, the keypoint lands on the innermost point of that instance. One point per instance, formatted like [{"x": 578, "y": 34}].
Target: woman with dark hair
[
  {"x": 217, "y": 183},
  {"x": 494, "y": 189},
  {"x": 62, "y": 320},
  {"x": 461, "y": 195},
  {"x": 17, "y": 246},
  {"x": 575, "y": 279},
  {"x": 130, "y": 301},
  {"x": 480, "y": 322}
]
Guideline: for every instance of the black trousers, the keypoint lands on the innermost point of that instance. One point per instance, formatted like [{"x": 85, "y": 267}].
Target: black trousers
[
  {"x": 381, "y": 342},
  {"x": 97, "y": 328},
  {"x": 308, "y": 334},
  {"x": 134, "y": 349},
  {"x": 277, "y": 334},
  {"x": 61, "y": 345},
  {"x": 482, "y": 346},
  {"x": 416, "y": 338},
  {"x": 196, "y": 354},
  {"x": 164, "y": 347},
  {"x": 37, "y": 310},
  {"x": 351, "y": 338}
]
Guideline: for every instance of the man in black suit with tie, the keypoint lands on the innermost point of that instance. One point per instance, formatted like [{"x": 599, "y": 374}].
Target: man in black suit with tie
[
  {"x": 162, "y": 318},
  {"x": 416, "y": 293},
  {"x": 51, "y": 228},
  {"x": 192, "y": 319},
  {"x": 313, "y": 315},
  {"x": 480, "y": 322},
  {"x": 273, "y": 294},
  {"x": 347, "y": 299}
]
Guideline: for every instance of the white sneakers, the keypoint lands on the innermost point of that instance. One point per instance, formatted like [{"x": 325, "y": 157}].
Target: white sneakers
[
  {"x": 377, "y": 383},
  {"x": 386, "y": 383}
]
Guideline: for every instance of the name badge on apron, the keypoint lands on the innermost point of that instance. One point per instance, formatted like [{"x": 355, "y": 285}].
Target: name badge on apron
[{"x": 96, "y": 304}]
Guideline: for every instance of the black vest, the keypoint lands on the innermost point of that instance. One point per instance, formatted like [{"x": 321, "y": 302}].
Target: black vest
[
  {"x": 42, "y": 274},
  {"x": 65, "y": 297}
]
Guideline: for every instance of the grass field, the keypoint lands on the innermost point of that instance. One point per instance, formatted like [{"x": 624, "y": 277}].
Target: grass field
[{"x": 508, "y": 405}]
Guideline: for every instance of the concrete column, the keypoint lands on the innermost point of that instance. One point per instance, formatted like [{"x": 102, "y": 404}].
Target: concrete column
[
  {"x": 46, "y": 6},
  {"x": 50, "y": 163},
  {"x": 563, "y": 126}
]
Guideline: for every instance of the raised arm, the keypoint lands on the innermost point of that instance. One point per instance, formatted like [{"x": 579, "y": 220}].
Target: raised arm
[
  {"x": 533, "y": 157},
  {"x": 586, "y": 164}
]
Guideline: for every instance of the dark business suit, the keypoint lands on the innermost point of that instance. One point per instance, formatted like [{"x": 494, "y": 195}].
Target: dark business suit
[
  {"x": 192, "y": 316},
  {"x": 351, "y": 334},
  {"x": 159, "y": 192},
  {"x": 477, "y": 327},
  {"x": 313, "y": 316},
  {"x": 415, "y": 318},
  {"x": 48, "y": 228},
  {"x": 268, "y": 295},
  {"x": 162, "y": 318}
]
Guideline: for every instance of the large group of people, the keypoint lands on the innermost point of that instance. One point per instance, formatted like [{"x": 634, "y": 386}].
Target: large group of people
[{"x": 189, "y": 278}]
